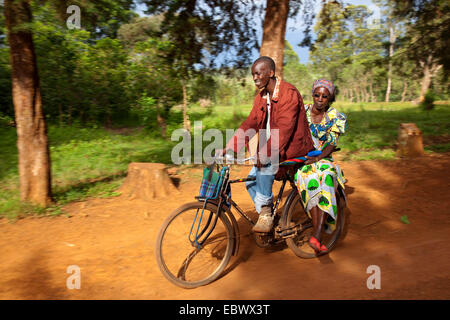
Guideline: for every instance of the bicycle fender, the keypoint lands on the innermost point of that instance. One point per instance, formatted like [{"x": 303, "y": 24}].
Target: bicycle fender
[
  {"x": 229, "y": 215},
  {"x": 342, "y": 194},
  {"x": 237, "y": 236},
  {"x": 287, "y": 205}
]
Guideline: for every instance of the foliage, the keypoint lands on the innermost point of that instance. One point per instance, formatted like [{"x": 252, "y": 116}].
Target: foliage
[
  {"x": 296, "y": 73},
  {"x": 101, "y": 18},
  {"x": 346, "y": 50},
  {"x": 428, "y": 103},
  {"x": 88, "y": 162},
  {"x": 92, "y": 77},
  {"x": 198, "y": 33},
  {"x": 145, "y": 110},
  {"x": 139, "y": 29},
  {"x": 428, "y": 29}
]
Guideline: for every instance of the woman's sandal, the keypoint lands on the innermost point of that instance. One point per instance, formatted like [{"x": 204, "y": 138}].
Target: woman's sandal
[{"x": 317, "y": 246}]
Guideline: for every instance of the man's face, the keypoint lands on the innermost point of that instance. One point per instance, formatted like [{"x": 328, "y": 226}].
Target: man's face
[{"x": 261, "y": 74}]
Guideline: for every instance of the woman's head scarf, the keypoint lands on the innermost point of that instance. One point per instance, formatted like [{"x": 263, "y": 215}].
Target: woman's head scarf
[{"x": 323, "y": 83}]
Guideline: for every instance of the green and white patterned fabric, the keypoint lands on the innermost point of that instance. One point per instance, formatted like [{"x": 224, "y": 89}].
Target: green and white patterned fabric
[{"x": 317, "y": 182}]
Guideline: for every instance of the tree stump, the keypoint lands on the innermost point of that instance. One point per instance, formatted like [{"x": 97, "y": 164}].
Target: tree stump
[
  {"x": 409, "y": 140},
  {"x": 147, "y": 181}
]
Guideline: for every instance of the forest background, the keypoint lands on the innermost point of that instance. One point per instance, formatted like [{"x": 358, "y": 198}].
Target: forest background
[{"x": 115, "y": 89}]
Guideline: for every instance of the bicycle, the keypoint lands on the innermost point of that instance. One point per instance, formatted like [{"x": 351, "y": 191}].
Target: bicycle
[{"x": 205, "y": 233}]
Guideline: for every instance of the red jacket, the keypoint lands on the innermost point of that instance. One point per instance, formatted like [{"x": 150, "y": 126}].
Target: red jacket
[{"x": 287, "y": 114}]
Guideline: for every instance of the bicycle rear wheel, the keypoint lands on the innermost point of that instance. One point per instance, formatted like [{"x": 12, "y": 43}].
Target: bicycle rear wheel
[
  {"x": 180, "y": 261},
  {"x": 295, "y": 217}
]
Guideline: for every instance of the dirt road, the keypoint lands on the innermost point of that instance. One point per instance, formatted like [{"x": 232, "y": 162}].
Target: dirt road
[{"x": 112, "y": 241}]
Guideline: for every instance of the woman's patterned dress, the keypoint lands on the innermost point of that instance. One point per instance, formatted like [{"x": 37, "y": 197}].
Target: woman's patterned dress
[{"x": 317, "y": 182}]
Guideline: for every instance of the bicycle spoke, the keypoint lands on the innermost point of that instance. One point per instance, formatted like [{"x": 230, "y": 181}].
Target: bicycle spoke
[{"x": 198, "y": 265}]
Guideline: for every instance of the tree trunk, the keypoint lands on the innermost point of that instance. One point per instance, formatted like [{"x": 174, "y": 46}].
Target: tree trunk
[
  {"x": 61, "y": 114},
  {"x": 108, "y": 121},
  {"x": 426, "y": 82},
  {"x": 186, "y": 122},
  {"x": 272, "y": 45},
  {"x": 409, "y": 140},
  {"x": 405, "y": 90},
  {"x": 373, "y": 98},
  {"x": 32, "y": 140},
  {"x": 430, "y": 68},
  {"x": 388, "y": 89},
  {"x": 147, "y": 181},
  {"x": 392, "y": 38},
  {"x": 160, "y": 119},
  {"x": 357, "y": 95},
  {"x": 365, "y": 93}
]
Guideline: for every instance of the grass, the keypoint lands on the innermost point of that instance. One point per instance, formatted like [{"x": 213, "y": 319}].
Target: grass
[
  {"x": 92, "y": 162},
  {"x": 373, "y": 129},
  {"x": 85, "y": 163}
]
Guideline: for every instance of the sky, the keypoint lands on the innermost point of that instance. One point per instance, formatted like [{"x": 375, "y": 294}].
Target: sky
[{"x": 294, "y": 28}]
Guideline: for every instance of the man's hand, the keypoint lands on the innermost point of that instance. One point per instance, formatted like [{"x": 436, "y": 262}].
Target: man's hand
[
  {"x": 261, "y": 161},
  {"x": 220, "y": 152},
  {"x": 258, "y": 163}
]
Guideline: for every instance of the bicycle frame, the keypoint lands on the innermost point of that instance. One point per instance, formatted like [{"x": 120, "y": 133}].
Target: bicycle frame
[{"x": 223, "y": 196}]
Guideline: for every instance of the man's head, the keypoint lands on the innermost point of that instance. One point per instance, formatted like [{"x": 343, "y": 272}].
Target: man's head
[{"x": 263, "y": 70}]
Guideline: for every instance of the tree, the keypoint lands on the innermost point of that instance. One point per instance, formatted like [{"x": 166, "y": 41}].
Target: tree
[
  {"x": 392, "y": 38},
  {"x": 392, "y": 25},
  {"x": 32, "y": 141},
  {"x": 296, "y": 73},
  {"x": 199, "y": 36},
  {"x": 274, "y": 27},
  {"x": 6, "y": 106},
  {"x": 346, "y": 50},
  {"x": 274, "y": 31},
  {"x": 206, "y": 30},
  {"x": 139, "y": 29},
  {"x": 153, "y": 80},
  {"x": 102, "y": 18},
  {"x": 427, "y": 33}
]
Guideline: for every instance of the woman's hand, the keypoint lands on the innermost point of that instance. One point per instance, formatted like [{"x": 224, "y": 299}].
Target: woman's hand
[{"x": 310, "y": 160}]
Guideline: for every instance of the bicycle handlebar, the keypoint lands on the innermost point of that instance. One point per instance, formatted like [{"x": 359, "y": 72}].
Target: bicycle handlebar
[{"x": 229, "y": 158}]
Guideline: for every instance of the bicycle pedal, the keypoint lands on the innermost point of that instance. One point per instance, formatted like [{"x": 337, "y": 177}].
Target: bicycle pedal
[
  {"x": 287, "y": 233},
  {"x": 262, "y": 233}
]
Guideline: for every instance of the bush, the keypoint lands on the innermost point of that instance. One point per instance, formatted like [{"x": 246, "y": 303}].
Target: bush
[
  {"x": 428, "y": 103},
  {"x": 145, "y": 109}
]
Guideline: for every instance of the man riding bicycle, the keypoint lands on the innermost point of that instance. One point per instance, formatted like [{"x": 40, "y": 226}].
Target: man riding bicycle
[{"x": 279, "y": 116}]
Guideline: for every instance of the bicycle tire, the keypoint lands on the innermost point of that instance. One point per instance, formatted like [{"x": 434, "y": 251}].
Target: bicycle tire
[
  {"x": 294, "y": 214},
  {"x": 199, "y": 267}
]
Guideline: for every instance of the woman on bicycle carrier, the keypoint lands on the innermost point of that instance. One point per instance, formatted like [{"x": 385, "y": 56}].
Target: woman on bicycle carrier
[{"x": 317, "y": 179}]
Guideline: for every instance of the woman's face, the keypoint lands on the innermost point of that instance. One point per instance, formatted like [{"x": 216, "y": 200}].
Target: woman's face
[{"x": 321, "y": 98}]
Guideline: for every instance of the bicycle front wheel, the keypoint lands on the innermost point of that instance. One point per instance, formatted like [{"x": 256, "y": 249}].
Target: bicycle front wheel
[{"x": 180, "y": 260}]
